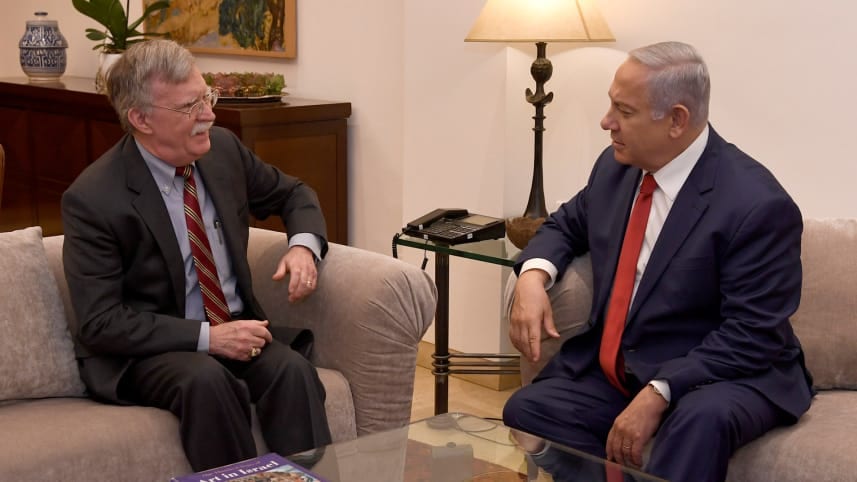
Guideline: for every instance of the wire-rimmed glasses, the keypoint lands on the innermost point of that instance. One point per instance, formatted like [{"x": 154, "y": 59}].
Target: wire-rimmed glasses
[{"x": 192, "y": 112}]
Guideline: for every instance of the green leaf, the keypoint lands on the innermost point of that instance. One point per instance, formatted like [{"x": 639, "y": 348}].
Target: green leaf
[
  {"x": 96, "y": 35},
  {"x": 112, "y": 15},
  {"x": 155, "y": 7}
]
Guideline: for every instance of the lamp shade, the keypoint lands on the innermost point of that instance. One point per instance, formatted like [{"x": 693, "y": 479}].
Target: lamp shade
[{"x": 539, "y": 21}]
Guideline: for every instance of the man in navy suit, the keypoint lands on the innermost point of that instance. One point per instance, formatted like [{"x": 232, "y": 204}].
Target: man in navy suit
[
  {"x": 143, "y": 331},
  {"x": 709, "y": 359}
]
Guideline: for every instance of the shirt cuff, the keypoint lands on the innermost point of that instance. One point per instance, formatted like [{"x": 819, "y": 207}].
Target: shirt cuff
[
  {"x": 307, "y": 240},
  {"x": 544, "y": 265},
  {"x": 663, "y": 387},
  {"x": 204, "y": 331}
]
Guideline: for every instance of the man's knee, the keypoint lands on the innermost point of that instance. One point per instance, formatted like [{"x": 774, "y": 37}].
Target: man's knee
[
  {"x": 285, "y": 367},
  {"x": 520, "y": 410},
  {"x": 283, "y": 359}
]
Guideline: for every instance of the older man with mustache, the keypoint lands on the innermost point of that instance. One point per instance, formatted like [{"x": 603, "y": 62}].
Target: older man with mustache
[{"x": 156, "y": 235}]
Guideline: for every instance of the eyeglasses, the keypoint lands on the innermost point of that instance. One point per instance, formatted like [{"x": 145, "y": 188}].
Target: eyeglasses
[{"x": 209, "y": 99}]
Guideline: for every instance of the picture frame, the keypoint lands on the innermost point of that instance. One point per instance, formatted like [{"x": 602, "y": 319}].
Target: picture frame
[{"x": 260, "y": 28}]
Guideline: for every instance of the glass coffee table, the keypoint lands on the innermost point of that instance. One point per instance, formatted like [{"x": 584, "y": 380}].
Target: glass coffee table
[{"x": 457, "y": 447}]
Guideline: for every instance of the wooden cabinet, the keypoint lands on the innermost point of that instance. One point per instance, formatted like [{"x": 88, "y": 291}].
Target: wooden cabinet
[{"x": 51, "y": 132}]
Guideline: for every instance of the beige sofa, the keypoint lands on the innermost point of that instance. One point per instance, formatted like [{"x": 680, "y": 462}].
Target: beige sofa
[
  {"x": 368, "y": 315},
  {"x": 821, "y": 446}
]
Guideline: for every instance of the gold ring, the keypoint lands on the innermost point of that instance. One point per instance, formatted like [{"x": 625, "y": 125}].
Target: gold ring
[{"x": 254, "y": 352}]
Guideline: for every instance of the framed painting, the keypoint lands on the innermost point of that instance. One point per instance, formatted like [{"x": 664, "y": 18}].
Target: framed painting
[{"x": 263, "y": 28}]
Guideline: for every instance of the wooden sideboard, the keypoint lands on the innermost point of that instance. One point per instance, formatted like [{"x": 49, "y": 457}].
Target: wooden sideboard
[{"x": 52, "y": 131}]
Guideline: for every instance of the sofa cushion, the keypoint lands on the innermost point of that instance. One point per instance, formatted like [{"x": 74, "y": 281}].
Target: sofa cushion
[
  {"x": 36, "y": 352},
  {"x": 826, "y": 321},
  {"x": 78, "y": 440},
  {"x": 820, "y": 446}
]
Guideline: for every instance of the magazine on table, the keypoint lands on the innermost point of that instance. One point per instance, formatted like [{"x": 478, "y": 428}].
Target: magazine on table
[{"x": 264, "y": 468}]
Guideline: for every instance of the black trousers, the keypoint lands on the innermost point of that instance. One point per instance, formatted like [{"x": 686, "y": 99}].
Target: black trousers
[{"x": 212, "y": 404}]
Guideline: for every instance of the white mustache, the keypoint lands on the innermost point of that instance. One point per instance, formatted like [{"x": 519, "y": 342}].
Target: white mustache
[{"x": 201, "y": 127}]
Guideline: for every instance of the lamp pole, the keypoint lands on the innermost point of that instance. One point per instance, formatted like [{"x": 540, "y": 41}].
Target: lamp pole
[{"x": 541, "y": 71}]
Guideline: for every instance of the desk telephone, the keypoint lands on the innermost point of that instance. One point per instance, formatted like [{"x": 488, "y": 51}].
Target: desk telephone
[{"x": 455, "y": 226}]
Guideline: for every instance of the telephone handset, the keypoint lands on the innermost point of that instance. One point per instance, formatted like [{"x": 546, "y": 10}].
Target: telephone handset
[{"x": 455, "y": 226}]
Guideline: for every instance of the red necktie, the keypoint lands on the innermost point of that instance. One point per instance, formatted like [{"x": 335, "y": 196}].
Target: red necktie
[
  {"x": 216, "y": 309},
  {"x": 610, "y": 356}
]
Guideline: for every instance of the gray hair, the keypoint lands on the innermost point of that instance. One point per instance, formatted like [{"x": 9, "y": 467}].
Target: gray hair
[
  {"x": 129, "y": 80},
  {"x": 678, "y": 75}
]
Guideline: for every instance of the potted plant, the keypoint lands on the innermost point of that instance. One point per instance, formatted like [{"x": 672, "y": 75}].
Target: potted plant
[{"x": 119, "y": 33}]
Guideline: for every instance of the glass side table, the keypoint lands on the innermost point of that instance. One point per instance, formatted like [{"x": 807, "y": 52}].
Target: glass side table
[{"x": 493, "y": 251}]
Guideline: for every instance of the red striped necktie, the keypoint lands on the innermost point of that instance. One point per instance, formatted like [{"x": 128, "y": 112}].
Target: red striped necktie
[
  {"x": 216, "y": 309},
  {"x": 610, "y": 356}
]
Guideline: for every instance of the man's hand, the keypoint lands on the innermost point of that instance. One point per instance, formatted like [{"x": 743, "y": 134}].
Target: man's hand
[
  {"x": 239, "y": 339},
  {"x": 531, "y": 309},
  {"x": 299, "y": 262},
  {"x": 634, "y": 427}
]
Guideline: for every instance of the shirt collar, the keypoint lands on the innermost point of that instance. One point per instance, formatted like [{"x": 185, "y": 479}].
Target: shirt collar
[
  {"x": 164, "y": 174},
  {"x": 672, "y": 176}
]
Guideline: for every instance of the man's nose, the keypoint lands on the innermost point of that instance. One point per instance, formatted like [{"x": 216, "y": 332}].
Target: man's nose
[{"x": 207, "y": 113}]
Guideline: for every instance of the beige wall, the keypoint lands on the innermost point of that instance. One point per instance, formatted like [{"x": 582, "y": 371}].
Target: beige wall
[{"x": 439, "y": 122}]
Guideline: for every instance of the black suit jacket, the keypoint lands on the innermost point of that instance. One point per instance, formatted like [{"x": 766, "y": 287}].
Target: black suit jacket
[
  {"x": 722, "y": 281},
  {"x": 122, "y": 260}
]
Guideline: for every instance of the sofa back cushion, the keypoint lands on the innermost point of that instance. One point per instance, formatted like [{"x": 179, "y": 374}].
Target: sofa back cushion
[
  {"x": 826, "y": 321},
  {"x": 36, "y": 352}
]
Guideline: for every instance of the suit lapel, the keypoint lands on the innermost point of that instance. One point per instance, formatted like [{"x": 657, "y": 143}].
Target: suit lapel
[
  {"x": 219, "y": 188},
  {"x": 623, "y": 199},
  {"x": 150, "y": 206},
  {"x": 688, "y": 208}
]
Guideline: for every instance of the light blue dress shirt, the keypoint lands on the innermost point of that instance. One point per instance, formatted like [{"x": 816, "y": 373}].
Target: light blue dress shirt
[{"x": 172, "y": 191}]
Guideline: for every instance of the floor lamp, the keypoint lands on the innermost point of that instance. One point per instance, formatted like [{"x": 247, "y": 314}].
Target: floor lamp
[{"x": 538, "y": 21}]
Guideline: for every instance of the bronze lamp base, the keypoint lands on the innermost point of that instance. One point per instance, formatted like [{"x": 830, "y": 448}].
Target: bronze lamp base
[{"x": 521, "y": 229}]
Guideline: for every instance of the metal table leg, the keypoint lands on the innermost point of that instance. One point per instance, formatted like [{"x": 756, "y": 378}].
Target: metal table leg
[{"x": 441, "y": 335}]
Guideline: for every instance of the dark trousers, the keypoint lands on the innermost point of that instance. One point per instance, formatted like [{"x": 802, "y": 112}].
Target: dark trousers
[
  {"x": 696, "y": 438},
  {"x": 213, "y": 406}
]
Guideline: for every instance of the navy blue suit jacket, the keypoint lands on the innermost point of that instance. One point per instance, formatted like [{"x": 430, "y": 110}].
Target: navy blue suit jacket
[{"x": 723, "y": 278}]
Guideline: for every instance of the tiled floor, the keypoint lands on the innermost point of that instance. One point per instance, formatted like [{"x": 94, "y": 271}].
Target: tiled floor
[{"x": 464, "y": 397}]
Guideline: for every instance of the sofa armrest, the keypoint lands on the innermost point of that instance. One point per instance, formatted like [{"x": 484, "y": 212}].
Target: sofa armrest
[
  {"x": 571, "y": 301},
  {"x": 368, "y": 314}
]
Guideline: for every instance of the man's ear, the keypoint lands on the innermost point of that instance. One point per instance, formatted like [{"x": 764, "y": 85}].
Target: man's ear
[
  {"x": 680, "y": 120},
  {"x": 139, "y": 120}
]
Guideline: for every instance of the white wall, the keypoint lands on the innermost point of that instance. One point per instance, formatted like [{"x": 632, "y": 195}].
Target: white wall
[{"x": 440, "y": 122}]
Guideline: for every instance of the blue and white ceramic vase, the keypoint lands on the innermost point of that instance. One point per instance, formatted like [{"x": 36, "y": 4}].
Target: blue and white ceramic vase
[{"x": 43, "y": 49}]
